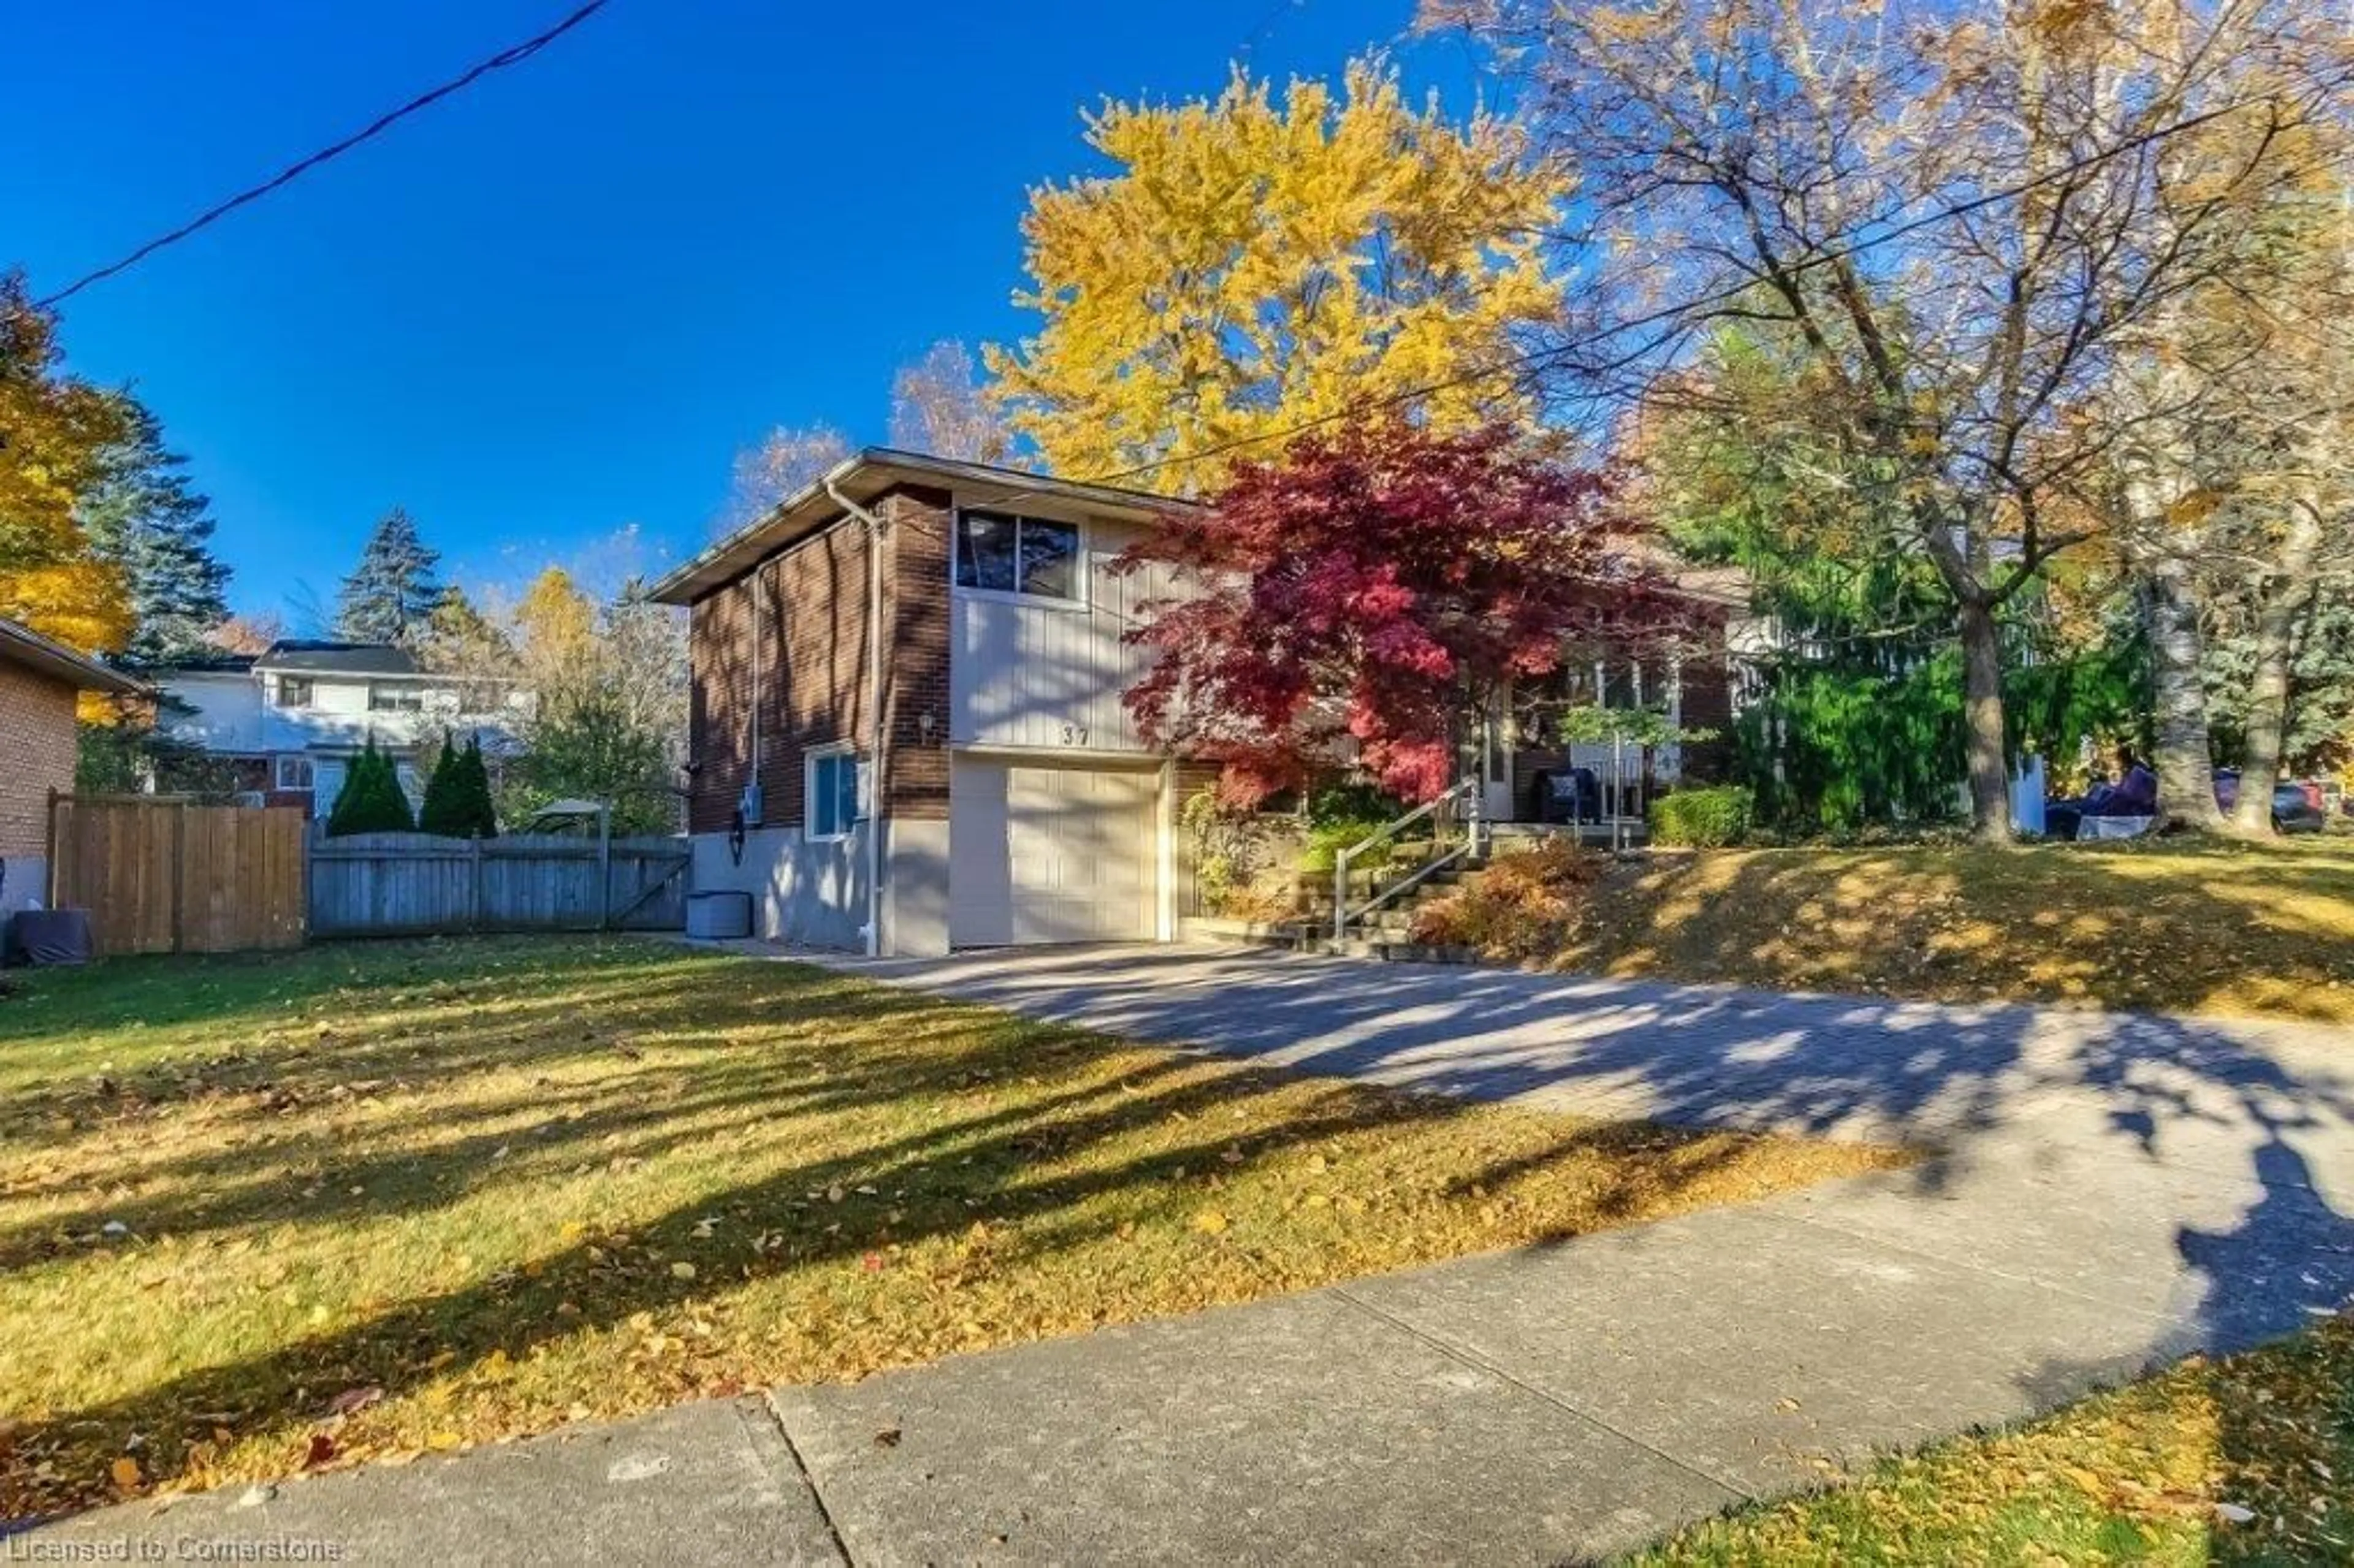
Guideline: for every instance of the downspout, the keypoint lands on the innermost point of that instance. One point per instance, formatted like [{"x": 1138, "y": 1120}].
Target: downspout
[{"x": 872, "y": 933}]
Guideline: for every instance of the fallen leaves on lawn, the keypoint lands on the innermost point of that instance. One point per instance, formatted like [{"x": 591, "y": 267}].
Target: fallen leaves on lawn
[{"x": 808, "y": 1178}]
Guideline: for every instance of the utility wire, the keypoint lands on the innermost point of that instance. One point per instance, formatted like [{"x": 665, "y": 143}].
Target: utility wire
[{"x": 514, "y": 55}]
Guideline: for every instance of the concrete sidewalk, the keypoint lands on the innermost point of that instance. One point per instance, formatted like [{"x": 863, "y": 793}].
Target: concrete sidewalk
[{"x": 2111, "y": 1191}]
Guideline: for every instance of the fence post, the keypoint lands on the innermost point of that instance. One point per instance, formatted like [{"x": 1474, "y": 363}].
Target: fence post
[
  {"x": 605, "y": 868},
  {"x": 474, "y": 885}
]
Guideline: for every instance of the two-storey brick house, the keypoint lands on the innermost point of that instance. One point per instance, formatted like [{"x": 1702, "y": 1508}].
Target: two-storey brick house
[
  {"x": 908, "y": 732},
  {"x": 906, "y": 712}
]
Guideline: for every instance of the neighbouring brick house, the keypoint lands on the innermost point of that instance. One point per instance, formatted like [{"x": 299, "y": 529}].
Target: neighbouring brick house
[
  {"x": 39, "y": 682},
  {"x": 908, "y": 731}
]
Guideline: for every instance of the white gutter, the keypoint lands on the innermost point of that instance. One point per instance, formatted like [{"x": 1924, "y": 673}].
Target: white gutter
[{"x": 873, "y": 931}]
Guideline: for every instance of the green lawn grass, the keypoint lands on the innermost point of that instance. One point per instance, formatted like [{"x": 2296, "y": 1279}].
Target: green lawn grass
[
  {"x": 363, "y": 1201},
  {"x": 2249, "y": 1459},
  {"x": 2166, "y": 926}
]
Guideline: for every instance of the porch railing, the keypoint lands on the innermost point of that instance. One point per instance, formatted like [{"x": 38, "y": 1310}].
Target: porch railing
[{"x": 1459, "y": 808}]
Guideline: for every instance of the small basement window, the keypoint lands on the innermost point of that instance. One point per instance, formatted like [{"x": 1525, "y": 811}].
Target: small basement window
[
  {"x": 1000, "y": 553},
  {"x": 832, "y": 781}
]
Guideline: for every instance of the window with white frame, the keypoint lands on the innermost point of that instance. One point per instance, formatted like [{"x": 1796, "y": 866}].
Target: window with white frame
[
  {"x": 392, "y": 697},
  {"x": 1000, "y": 553},
  {"x": 294, "y": 773},
  {"x": 832, "y": 781},
  {"x": 293, "y": 690}
]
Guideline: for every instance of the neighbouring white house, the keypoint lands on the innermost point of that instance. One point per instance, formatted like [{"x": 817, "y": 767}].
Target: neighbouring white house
[
  {"x": 907, "y": 733},
  {"x": 287, "y": 722}
]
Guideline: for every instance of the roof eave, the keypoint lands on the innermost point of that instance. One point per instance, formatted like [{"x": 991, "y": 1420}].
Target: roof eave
[
  {"x": 865, "y": 475},
  {"x": 24, "y": 646}
]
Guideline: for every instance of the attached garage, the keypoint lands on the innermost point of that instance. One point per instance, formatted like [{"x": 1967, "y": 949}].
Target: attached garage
[{"x": 1053, "y": 853}]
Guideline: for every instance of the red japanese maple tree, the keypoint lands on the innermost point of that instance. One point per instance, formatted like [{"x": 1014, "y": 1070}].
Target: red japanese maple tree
[{"x": 1363, "y": 595}]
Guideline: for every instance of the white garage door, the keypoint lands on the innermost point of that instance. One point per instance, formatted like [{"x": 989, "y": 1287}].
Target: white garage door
[{"x": 1051, "y": 854}]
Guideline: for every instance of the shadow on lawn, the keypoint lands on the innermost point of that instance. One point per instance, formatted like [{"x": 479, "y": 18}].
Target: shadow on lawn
[{"x": 1040, "y": 1159}]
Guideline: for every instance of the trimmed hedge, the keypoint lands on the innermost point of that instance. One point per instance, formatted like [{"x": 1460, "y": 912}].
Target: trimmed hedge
[{"x": 1702, "y": 818}]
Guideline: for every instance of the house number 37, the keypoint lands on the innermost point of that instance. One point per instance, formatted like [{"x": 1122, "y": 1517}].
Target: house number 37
[{"x": 1075, "y": 735}]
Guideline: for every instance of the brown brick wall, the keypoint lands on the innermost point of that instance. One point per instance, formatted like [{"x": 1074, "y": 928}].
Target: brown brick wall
[
  {"x": 916, "y": 598},
  {"x": 813, "y": 654},
  {"x": 37, "y": 736}
]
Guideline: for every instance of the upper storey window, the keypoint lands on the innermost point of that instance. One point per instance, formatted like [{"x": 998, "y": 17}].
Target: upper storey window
[{"x": 999, "y": 553}]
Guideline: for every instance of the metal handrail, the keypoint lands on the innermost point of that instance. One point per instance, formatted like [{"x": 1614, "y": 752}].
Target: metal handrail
[{"x": 1467, "y": 792}]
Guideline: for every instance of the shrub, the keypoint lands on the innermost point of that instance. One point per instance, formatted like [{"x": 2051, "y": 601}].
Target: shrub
[
  {"x": 1701, "y": 819},
  {"x": 1348, "y": 803},
  {"x": 1327, "y": 840},
  {"x": 1526, "y": 905},
  {"x": 371, "y": 800}
]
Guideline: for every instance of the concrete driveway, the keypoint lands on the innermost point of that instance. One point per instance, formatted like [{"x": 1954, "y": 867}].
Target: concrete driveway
[{"x": 2145, "y": 1089}]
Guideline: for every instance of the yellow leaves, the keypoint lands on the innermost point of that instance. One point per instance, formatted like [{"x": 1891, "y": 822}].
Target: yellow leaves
[
  {"x": 80, "y": 602},
  {"x": 126, "y": 1474},
  {"x": 1209, "y": 1222},
  {"x": 57, "y": 431},
  {"x": 1261, "y": 261}
]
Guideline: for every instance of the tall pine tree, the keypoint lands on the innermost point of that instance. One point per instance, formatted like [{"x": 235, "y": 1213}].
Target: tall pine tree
[
  {"x": 393, "y": 592},
  {"x": 142, "y": 517}
]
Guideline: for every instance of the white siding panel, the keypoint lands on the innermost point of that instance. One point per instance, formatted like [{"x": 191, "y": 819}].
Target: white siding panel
[{"x": 1053, "y": 674}]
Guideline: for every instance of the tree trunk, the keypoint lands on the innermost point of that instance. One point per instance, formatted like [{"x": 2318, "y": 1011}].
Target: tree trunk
[
  {"x": 2287, "y": 595},
  {"x": 1990, "y": 771},
  {"x": 2186, "y": 766}
]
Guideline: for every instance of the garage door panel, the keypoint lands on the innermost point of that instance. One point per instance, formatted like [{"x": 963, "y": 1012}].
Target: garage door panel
[{"x": 1070, "y": 856}]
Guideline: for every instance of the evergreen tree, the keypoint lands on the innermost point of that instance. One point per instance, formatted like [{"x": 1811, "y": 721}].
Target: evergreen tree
[
  {"x": 371, "y": 800},
  {"x": 474, "y": 792},
  {"x": 439, "y": 814},
  {"x": 391, "y": 594},
  {"x": 458, "y": 796},
  {"x": 143, "y": 517}
]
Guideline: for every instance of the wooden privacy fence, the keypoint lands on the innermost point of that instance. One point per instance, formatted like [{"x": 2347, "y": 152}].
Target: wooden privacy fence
[
  {"x": 370, "y": 884},
  {"x": 163, "y": 874}
]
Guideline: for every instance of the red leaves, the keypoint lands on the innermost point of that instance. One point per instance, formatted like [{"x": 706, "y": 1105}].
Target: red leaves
[{"x": 1364, "y": 589}]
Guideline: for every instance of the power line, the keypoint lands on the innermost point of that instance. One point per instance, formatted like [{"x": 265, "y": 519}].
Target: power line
[
  {"x": 514, "y": 55},
  {"x": 1663, "y": 315}
]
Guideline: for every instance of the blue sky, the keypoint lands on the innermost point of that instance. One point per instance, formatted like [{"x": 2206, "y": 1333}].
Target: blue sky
[{"x": 559, "y": 303}]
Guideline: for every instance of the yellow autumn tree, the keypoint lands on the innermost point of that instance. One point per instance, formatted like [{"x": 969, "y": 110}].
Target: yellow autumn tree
[
  {"x": 53, "y": 430},
  {"x": 555, "y": 631},
  {"x": 1258, "y": 262}
]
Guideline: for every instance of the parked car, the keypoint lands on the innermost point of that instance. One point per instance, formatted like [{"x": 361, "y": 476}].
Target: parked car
[{"x": 2297, "y": 804}]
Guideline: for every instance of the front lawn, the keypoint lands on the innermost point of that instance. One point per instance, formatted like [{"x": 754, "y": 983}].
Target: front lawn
[
  {"x": 2166, "y": 926},
  {"x": 364, "y": 1201},
  {"x": 2249, "y": 1459}
]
